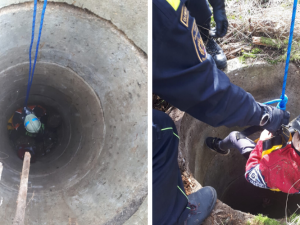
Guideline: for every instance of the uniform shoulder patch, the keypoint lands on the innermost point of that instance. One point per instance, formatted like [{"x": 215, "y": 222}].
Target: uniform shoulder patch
[
  {"x": 174, "y": 3},
  {"x": 198, "y": 42},
  {"x": 185, "y": 14}
]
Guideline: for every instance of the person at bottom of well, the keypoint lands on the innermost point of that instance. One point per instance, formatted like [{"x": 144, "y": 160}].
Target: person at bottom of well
[
  {"x": 30, "y": 129},
  {"x": 27, "y": 121},
  {"x": 270, "y": 164}
]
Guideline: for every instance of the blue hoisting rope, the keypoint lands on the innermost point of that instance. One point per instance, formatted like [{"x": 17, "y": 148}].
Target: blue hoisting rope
[
  {"x": 284, "y": 99},
  {"x": 31, "y": 73}
]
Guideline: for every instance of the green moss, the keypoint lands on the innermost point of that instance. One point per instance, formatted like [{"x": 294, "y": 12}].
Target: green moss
[
  {"x": 295, "y": 218},
  {"x": 274, "y": 61},
  {"x": 295, "y": 56},
  {"x": 241, "y": 59},
  {"x": 249, "y": 55},
  {"x": 295, "y": 52},
  {"x": 263, "y": 220},
  {"x": 246, "y": 55},
  {"x": 271, "y": 42},
  {"x": 256, "y": 51}
]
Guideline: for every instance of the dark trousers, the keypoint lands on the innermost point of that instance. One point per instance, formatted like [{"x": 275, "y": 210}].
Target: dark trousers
[
  {"x": 199, "y": 9},
  {"x": 169, "y": 199},
  {"x": 235, "y": 140}
]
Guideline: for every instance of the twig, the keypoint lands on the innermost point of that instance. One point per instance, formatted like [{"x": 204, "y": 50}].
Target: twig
[
  {"x": 241, "y": 33},
  {"x": 287, "y": 198},
  {"x": 235, "y": 51}
]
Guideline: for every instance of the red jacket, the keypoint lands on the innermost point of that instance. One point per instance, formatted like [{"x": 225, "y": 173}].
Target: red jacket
[{"x": 279, "y": 169}]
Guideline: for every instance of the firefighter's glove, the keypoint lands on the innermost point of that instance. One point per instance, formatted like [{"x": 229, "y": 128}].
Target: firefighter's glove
[
  {"x": 272, "y": 118},
  {"x": 221, "y": 22}
]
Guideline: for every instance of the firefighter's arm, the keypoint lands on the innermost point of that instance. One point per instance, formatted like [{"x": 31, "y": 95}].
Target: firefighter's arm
[{"x": 188, "y": 78}]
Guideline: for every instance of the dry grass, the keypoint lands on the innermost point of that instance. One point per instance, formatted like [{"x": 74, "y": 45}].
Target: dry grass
[
  {"x": 259, "y": 17},
  {"x": 262, "y": 18}
]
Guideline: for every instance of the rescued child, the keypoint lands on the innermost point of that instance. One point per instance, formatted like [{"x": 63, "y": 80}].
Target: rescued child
[{"x": 277, "y": 168}]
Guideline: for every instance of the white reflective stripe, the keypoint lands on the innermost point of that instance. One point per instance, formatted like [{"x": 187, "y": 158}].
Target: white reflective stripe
[{"x": 259, "y": 173}]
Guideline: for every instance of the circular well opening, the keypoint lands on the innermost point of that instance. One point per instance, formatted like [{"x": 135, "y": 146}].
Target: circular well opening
[{"x": 79, "y": 136}]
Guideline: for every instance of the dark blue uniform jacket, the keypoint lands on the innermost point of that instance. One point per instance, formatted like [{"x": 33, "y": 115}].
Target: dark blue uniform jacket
[{"x": 187, "y": 77}]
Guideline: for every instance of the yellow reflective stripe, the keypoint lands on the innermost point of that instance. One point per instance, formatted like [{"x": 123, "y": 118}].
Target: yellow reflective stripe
[
  {"x": 291, "y": 137},
  {"x": 275, "y": 189},
  {"x": 183, "y": 192},
  {"x": 275, "y": 147},
  {"x": 174, "y": 3}
]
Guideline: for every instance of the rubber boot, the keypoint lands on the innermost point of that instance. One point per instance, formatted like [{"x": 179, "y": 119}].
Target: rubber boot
[
  {"x": 213, "y": 144},
  {"x": 212, "y": 47},
  {"x": 201, "y": 203},
  {"x": 217, "y": 53}
]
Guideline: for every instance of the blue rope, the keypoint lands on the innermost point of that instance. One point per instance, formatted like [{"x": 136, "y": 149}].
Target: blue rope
[
  {"x": 273, "y": 101},
  {"x": 284, "y": 98},
  {"x": 31, "y": 73}
]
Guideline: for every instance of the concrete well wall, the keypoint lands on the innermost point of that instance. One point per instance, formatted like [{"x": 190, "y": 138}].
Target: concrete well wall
[
  {"x": 96, "y": 77},
  {"x": 128, "y": 16}
]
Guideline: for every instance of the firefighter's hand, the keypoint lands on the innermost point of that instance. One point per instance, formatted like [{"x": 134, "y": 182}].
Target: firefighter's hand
[
  {"x": 221, "y": 22},
  {"x": 273, "y": 118}
]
